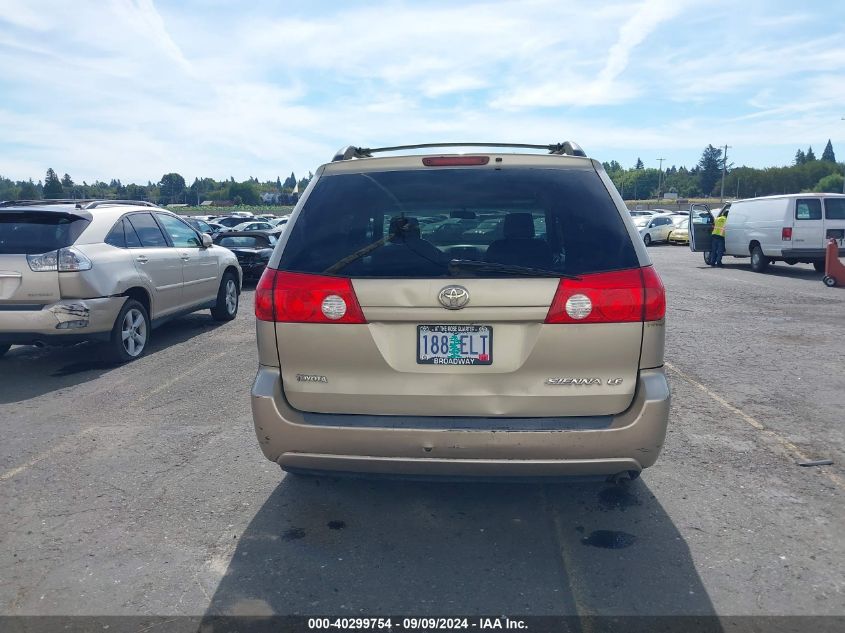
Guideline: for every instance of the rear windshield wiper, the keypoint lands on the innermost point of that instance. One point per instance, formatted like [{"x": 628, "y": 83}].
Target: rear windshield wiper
[{"x": 471, "y": 265}]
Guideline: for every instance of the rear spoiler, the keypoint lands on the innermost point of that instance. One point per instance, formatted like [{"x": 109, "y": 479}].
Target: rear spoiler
[{"x": 46, "y": 211}]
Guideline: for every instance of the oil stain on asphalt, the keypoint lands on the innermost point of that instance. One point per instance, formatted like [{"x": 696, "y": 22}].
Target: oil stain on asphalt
[
  {"x": 293, "y": 534},
  {"x": 609, "y": 539}
]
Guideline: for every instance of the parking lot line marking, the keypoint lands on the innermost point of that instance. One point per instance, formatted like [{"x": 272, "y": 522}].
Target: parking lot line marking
[
  {"x": 179, "y": 377},
  {"x": 784, "y": 443},
  {"x": 567, "y": 563},
  {"x": 17, "y": 470}
]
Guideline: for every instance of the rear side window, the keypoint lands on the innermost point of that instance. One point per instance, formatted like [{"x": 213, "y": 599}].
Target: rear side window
[
  {"x": 808, "y": 209},
  {"x": 32, "y": 233},
  {"x": 116, "y": 236},
  {"x": 147, "y": 230},
  {"x": 834, "y": 208},
  {"x": 413, "y": 223}
]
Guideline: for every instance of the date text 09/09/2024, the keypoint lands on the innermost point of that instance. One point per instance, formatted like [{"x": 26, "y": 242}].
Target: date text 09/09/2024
[{"x": 415, "y": 624}]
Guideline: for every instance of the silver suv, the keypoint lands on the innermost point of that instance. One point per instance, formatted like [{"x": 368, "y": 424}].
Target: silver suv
[
  {"x": 105, "y": 270},
  {"x": 455, "y": 314}
]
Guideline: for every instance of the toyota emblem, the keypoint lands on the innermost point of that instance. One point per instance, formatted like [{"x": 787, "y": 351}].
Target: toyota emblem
[{"x": 453, "y": 297}]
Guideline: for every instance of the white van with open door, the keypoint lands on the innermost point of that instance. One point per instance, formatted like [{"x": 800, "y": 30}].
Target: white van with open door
[{"x": 789, "y": 228}]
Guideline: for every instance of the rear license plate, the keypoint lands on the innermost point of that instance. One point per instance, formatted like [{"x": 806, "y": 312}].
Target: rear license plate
[{"x": 454, "y": 345}]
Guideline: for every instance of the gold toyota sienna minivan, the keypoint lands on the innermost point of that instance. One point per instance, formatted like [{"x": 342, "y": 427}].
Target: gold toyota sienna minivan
[{"x": 481, "y": 314}]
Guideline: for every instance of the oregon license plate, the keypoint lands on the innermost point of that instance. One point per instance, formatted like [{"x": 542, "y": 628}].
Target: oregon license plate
[{"x": 454, "y": 344}]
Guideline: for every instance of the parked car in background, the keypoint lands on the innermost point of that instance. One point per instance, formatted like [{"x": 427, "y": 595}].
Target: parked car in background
[
  {"x": 216, "y": 228},
  {"x": 654, "y": 228},
  {"x": 200, "y": 225},
  {"x": 281, "y": 220},
  {"x": 252, "y": 226},
  {"x": 108, "y": 271},
  {"x": 253, "y": 250},
  {"x": 680, "y": 234},
  {"x": 384, "y": 348},
  {"x": 230, "y": 221},
  {"x": 451, "y": 230},
  {"x": 485, "y": 232}
]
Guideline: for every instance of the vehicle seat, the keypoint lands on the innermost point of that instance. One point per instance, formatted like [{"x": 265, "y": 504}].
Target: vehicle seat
[{"x": 519, "y": 247}]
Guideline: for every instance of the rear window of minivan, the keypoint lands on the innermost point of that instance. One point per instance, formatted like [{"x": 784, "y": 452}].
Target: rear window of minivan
[
  {"x": 32, "y": 233},
  {"x": 834, "y": 208},
  {"x": 412, "y": 223}
]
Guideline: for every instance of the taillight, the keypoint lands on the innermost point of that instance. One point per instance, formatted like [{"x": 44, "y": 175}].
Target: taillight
[
  {"x": 786, "y": 233},
  {"x": 452, "y": 161},
  {"x": 264, "y": 295},
  {"x": 622, "y": 296},
  {"x": 654, "y": 295},
  {"x": 300, "y": 298}
]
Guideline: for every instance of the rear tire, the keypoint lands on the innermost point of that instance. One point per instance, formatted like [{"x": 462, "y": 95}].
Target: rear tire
[
  {"x": 647, "y": 239},
  {"x": 759, "y": 262},
  {"x": 819, "y": 266},
  {"x": 4, "y": 349},
  {"x": 228, "y": 299},
  {"x": 130, "y": 335}
]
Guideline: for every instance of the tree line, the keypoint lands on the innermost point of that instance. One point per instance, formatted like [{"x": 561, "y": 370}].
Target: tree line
[
  {"x": 703, "y": 180},
  {"x": 171, "y": 188}
]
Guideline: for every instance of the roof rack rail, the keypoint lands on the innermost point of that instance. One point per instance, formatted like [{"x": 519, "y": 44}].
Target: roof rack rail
[
  {"x": 31, "y": 203},
  {"x": 96, "y": 203},
  {"x": 567, "y": 147}
]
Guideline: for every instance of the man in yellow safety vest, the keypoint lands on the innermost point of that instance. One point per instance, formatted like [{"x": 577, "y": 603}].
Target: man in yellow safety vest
[{"x": 717, "y": 246}]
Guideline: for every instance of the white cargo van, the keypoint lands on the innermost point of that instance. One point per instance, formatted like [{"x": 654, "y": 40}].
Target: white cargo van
[{"x": 790, "y": 228}]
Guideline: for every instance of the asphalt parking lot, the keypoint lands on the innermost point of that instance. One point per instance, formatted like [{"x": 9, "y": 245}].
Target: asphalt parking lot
[{"x": 140, "y": 489}]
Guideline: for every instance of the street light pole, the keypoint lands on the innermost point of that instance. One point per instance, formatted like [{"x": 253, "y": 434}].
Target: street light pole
[{"x": 724, "y": 169}]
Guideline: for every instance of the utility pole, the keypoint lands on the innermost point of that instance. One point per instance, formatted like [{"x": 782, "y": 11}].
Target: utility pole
[
  {"x": 724, "y": 169},
  {"x": 660, "y": 179}
]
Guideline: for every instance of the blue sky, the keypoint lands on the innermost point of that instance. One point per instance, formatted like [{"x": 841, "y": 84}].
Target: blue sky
[{"x": 132, "y": 89}]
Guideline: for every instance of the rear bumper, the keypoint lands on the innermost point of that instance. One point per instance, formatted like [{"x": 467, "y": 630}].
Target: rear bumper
[
  {"x": 90, "y": 319},
  {"x": 808, "y": 253},
  {"x": 631, "y": 440}
]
